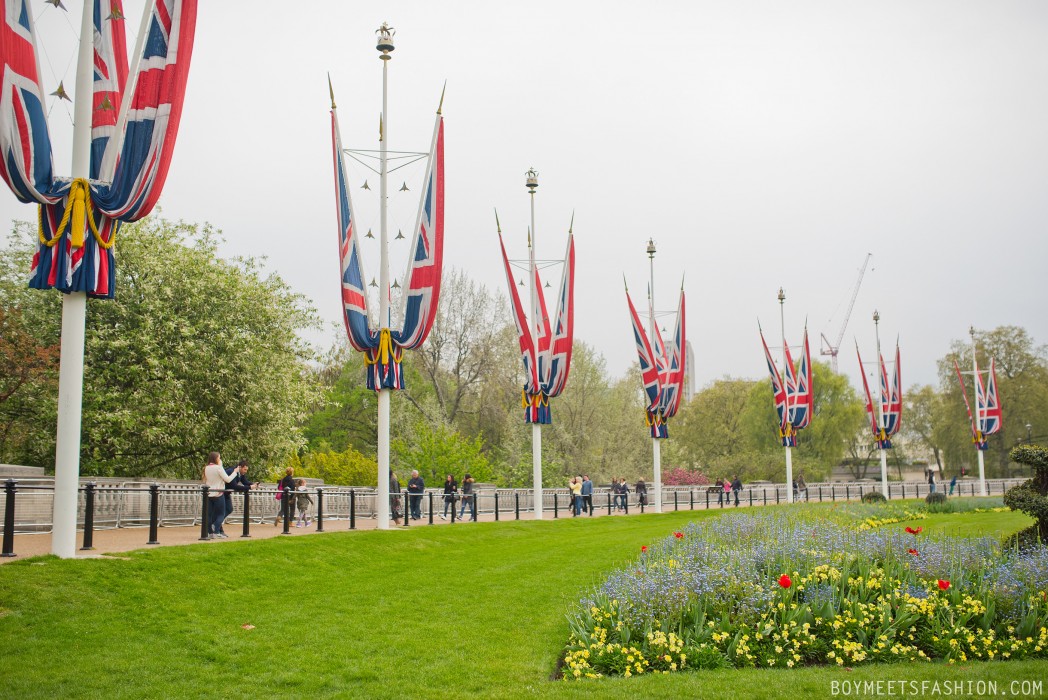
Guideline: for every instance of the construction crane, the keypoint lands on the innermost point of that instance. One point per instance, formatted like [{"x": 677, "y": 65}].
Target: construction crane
[{"x": 829, "y": 348}]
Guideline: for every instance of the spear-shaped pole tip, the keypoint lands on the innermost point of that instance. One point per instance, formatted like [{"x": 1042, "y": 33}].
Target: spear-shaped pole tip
[
  {"x": 331, "y": 91},
  {"x": 442, "y": 91},
  {"x": 624, "y": 282},
  {"x": 497, "y": 224},
  {"x": 571, "y": 226}
]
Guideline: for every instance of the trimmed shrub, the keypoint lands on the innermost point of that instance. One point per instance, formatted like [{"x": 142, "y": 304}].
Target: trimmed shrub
[
  {"x": 873, "y": 497},
  {"x": 935, "y": 498},
  {"x": 1031, "y": 497}
]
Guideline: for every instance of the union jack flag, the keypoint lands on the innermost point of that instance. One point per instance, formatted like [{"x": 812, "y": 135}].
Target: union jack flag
[
  {"x": 673, "y": 382},
  {"x": 649, "y": 373},
  {"x": 988, "y": 401},
  {"x": 890, "y": 401},
  {"x": 563, "y": 332},
  {"x": 780, "y": 394},
  {"x": 800, "y": 398},
  {"x": 354, "y": 296},
  {"x": 128, "y": 166},
  {"x": 527, "y": 344},
  {"x": 422, "y": 288}
]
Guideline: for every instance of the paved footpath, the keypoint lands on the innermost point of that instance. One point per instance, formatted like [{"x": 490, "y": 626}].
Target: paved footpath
[{"x": 125, "y": 539}]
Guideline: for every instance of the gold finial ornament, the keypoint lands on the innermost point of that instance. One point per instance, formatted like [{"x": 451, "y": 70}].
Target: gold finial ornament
[
  {"x": 532, "y": 181},
  {"x": 385, "y": 40}
]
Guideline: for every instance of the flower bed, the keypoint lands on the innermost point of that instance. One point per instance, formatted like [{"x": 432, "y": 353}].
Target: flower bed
[{"x": 784, "y": 590}]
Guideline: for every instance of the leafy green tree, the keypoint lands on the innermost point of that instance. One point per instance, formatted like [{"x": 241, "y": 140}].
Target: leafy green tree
[
  {"x": 28, "y": 381},
  {"x": 196, "y": 353},
  {"x": 346, "y": 468},
  {"x": 925, "y": 419}
]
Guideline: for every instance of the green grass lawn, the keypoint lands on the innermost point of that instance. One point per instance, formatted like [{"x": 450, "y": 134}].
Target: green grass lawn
[
  {"x": 998, "y": 525},
  {"x": 470, "y": 610}
]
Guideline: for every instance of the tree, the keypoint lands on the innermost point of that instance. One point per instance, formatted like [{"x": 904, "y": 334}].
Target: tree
[
  {"x": 195, "y": 354},
  {"x": 925, "y": 419},
  {"x": 28, "y": 376}
]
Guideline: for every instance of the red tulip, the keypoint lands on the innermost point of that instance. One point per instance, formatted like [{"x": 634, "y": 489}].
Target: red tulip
[
  {"x": 643, "y": 548},
  {"x": 678, "y": 535},
  {"x": 785, "y": 581},
  {"x": 943, "y": 585},
  {"x": 914, "y": 552}
]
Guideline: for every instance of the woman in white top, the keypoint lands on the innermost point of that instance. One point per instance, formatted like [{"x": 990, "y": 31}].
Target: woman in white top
[{"x": 216, "y": 479}]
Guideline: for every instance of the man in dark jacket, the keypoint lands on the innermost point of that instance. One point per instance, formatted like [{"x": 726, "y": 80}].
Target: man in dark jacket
[
  {"x": 736, "y": 486},
  {"x": 416, "y": 487},
  {"x": 239, "y": 483},
  {"x": 587, "y": 494}
]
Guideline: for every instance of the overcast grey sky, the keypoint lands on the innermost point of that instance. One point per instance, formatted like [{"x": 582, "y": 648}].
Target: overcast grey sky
[{"x": 760, "y": 143}]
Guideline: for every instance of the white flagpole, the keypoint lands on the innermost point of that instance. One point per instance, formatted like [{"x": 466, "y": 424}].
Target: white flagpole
[
  {"x": 74, "y": 321},
  {"x": 656, "y": 446},
  {"x": 532, "y": 184},
  {"x": 786, "y": 390},
  {"x": 978, "y": 415},
  {"x": 880, "y": 403},
  {"x": 385, "y": 46}
]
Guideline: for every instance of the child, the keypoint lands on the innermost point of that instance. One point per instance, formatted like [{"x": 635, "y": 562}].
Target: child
[{"x": 303, "y": 502}]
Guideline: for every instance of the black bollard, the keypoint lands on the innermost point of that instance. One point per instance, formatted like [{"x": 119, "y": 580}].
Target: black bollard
[
  {"x": 516, "y": 503},
  {"x": 674, "y": 500},
  {"x": 496, "y": 506},
  {"x": 609, "y": 502},
  {"x": 847, "y": 492},
  {"x": 245, "y": 530},
  {"x": 751, "y": 497},
  {"x": 707, "y": 499},
  {"x": 641, "y": 502},
  {"x": 860, "y": 492},
  {"x": 353, "y": 509},
  {"x": 691, "y": 498},
  {"x": 626, "y": 504},
  {"x": 204, "y": 515},
  {"x": 154, "y": 513},
  {"x": 820, "y": 494},
  {"x": 554, "y": 506},
  {"x": 320, "y": 509},
  {"x": 89, "y": 516},
  {"x": 430, "y": 507},
  {"x": 285, "y": 508},
  {"x": 903, "y": 485},
  {"x": 776, "y": 494},
  {"x": 453, "y": 509},
  {"x": 764, "y": 492},
  {"x": 9, "y": 519}
]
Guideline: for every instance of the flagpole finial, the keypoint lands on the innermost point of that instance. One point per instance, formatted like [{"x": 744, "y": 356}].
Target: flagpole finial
[
  {"x": 532, "y": 181},
  {"x": 331, "y": 91},
  {"x": 782, "y": 296},
  {"x": 571, "y": 226},
  {"x": 497, "y": 224},
  {"x": 971, "y": 332},
  {"x": 624, "y": 282},
  {"x": 442, "y": 91},
  {"x": 651, "y": 248},
  {"x": 876, "y": 316},
  {"x": 385, "y": 40}
]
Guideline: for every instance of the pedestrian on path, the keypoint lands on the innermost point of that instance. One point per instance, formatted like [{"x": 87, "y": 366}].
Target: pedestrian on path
[
  {"x": 468, "y": 497},
  {"x": 450, "y": 496},
  {"x": 216, "y": 479}
]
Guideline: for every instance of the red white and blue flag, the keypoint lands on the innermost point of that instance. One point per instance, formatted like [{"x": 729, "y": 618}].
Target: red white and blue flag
[
  {"x": 129, "y": 162},
  {"x": 890, "y": 401},
  {"x": 988, "y": 401},
  {"x": 792, "y": 390},
  {"x": 545, "y": 344},
  {"x": 780, "y": 395},
  {"x": 662, "y": 367},
  {"x": 384, "y": 348}
]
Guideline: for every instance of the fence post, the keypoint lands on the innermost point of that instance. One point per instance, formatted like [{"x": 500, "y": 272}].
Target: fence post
[
  {"x": 404, "y": 499},
  {"x": 204, "y": 515},
  {"x": 764, "y": 493},
  {"x": 609, "y": 502},
  {"x": 454, "y": 507},
  {"x": 430, "y": 507},
  {"x": 496, "y": 506},
  {"x": 777, "y": 494},
  {"x": 674, "y": 500},
  {"x": 707, "y": 498},
  {"x": 833, "y": 493},
  {"x": 476, "y": 507},
  {"x": 554, "y": 505},
  {"x": 154, "y": 513},
  {"x": 751, "y": 495},
  {"x": 245, "y": 530},
  {"x": 640, "y": 502},
  {"x": 320, "y": 509},
  {"x": 89, "y": 516},
  {"x": 353, "y": 509},
  {"x": 9, "y": 519},
  {"x": 516, "y": 503},
  {"x": 285, "y": 510},
  {"x": 847, "y": 492},
  {"x": 691, "y": 497},
  {"x": 626, "y": 503}
]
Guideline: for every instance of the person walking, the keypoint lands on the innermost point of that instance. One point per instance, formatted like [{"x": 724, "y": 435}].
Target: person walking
[
  {"x": 468, "y": 496},
  {"x": 802, "y": 487},
  {"x": 726, "y": 486},
  {"x": 624, "y": 494},
  {"x": 587, "y": 494},
  {"x": 642, "y": 492},
  {"x": 931, "y": 481},
  {"x": 575, "y": 487},
  {"x": 303, "y": 502},
  {"x": 416, "y": 487},
  {"x": 285, "y": 503},
  {"x": 216, "y": 478},
  {"x": 736, "y": 486},
  {"x": 450, "y": 495},
  {"x": 953, "y": 484}
]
